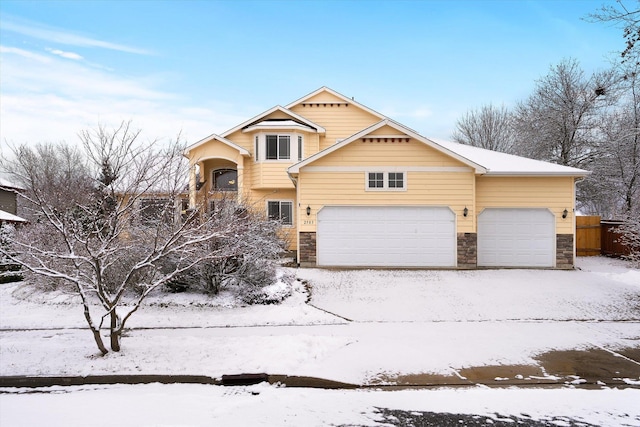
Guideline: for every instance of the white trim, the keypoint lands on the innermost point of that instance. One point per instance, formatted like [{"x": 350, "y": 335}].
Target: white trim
[
  {"x": 296, "y": 126},
  {"x": 216, "y": 137},
  {"x": 319, "y": 128},
  {"x": 385, "y": 181},
  {"x": 387, "y": 168},
  {"x": 293, "y": 211}
]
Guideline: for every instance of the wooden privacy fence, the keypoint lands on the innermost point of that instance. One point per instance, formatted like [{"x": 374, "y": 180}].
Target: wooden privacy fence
[
  {"x": 596, "y": 237},
  {"x": 588, "y": 236}
]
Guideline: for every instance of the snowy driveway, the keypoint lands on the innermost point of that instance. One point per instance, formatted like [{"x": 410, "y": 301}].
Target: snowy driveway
[{"x": 603, "y": 290}]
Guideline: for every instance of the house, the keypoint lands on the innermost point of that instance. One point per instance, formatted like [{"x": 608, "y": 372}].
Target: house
[
  {"x": 9, "y": 202},
  {"x": 354, "y": 188}
]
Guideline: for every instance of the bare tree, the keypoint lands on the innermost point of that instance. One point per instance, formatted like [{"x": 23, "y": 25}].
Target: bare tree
[
  {"x": 489, "y": 127},
  {"x": 614, "y": 187},
  {"x": 558, "y": 122},
  {"x": 629, "y": 19},
  {"x": 103, "y": 218}
]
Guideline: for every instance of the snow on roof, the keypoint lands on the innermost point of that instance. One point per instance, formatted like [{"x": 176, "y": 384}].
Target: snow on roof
[
  {"x": 6, "y": 216},
  {"x": 498, "y": 163},
  {"x": 279, "y": 124},
  {"x": 5, "y": 183},
  {"x": 217, "y": 137}
]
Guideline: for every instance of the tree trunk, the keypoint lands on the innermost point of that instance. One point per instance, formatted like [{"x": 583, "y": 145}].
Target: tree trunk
[{"x": 115, "y": 327}]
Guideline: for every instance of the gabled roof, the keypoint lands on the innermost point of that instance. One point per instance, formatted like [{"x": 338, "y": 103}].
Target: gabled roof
[
  {"x": 260, "y": 116},
  {"x": 215, "y": 137},
  {"x": 278, "y": 124},
  {"x": 484, "y": 162},
  {"x": 339, "y": 95},
  {"x": 391, "y": 123}
]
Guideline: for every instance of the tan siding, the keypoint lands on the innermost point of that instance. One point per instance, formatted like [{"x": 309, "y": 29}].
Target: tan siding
[
  {"x": 555, "y": 193},
  {"x": 423, "y": 188},
  {"x": 257, "y": 200},
  {"x": 270, "y": 175},
  {"x": 414, "y": 153},
  {"x": 339, "y": 121}
]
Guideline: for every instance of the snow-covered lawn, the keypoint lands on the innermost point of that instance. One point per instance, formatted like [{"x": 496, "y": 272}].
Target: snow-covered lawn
[{"x": 401, "y": 323}]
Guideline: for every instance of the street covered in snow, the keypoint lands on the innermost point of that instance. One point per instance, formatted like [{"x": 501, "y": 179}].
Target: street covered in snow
[{"x": 477, "y": 334}]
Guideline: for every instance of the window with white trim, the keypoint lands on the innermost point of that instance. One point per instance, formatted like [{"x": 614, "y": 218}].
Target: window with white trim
[
  {"x": 386, "y": 181},
  {"x": 278, "y": 147},
  {"x": 280, "y": 210}
]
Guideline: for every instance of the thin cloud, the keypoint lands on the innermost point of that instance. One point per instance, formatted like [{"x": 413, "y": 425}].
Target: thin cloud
[
  {"x": 67, "y": 55},
  {"x": 25, "y": 54},
  {"x": 50, "y": 34}
]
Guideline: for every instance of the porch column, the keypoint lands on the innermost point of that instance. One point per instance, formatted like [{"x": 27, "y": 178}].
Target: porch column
[
  {"x": 192, "y": 187},
  {"x": 240, "y": 178}
]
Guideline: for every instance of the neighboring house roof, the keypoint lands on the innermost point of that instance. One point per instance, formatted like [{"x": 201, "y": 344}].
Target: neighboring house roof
[
  {"x": 215, "y": 137},
  {"x": 4, "y": 183},
  {"x": 346, "y": 99},
  {"x": 391, "y": 123},
  {"x": 255, "y": 119},
  {"x": 498, "y": 163},
  {"x": 8, "y": 217}
]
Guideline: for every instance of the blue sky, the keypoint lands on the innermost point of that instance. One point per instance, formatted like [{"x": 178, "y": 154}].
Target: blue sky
[{"x": 201, "y": 67}]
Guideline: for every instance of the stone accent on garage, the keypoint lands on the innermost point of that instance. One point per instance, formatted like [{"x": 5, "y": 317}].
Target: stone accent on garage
[
  {"x": 467, "y": 250},
  {"x": 307, "y": 249},
  {"x": 564, "y": 251}
]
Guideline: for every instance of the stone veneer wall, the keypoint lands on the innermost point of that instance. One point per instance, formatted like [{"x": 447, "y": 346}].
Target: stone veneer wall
[
  {"x": 307, "y": 249},
  {"x": 467, "y": 250},
  {"x": 564, "y": 251}
]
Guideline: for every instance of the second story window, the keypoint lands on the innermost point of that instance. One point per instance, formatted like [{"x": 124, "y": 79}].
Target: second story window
[{"x": 278, "y": 147}]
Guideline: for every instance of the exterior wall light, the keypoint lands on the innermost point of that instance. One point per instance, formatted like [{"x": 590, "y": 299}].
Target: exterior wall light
[
  {"x": 308, "y": 210},
  {"x": 565, "y": 213},
  {"x": 465, "y": 211}
]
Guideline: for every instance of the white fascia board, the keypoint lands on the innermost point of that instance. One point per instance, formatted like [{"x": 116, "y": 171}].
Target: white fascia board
[
  {"x": 275, "y": 126},
  {"x": 576, "y": 172},
  {"x": 319, "y": 128},
  {"x": 215, "y": 137},
  {"x": 339, "y": 95}
]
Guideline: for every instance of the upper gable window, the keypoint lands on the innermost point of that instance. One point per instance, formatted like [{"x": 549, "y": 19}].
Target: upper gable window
[
  {"x": 278, "y": 147},
  {"x": 386, "y": 181}
]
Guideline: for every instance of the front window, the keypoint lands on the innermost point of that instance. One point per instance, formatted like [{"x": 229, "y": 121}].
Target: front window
[
  {"x": 376, "y": 180},
  {"x": 278, "y": 147},
  {"x": 396, "y": 180},
  {"x": 225, "y": 180},
  {"x": 386, "y": 181},
  {"x": 280, "y": 211}
]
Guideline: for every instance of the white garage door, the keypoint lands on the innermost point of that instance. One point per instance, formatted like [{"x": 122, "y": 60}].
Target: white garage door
[
  {"x": 516, "y": 238},
  {"x": 386, "y": 236}
]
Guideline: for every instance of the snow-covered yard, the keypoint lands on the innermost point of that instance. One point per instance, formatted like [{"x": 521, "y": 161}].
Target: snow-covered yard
[{"x": 362, "y": 327}]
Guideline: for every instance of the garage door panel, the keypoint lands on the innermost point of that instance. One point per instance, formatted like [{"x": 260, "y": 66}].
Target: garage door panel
[
  {"x": 386, "y": 236},
  {"x": 516, "y": 238}
]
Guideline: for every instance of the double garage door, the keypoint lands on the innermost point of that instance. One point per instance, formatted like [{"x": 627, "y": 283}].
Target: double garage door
[
  {"x": 422, "y": 236},
  {"x": 386, "y": 236}
]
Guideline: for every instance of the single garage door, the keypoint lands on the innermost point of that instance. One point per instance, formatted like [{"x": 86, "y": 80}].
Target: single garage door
[
  {"x": 516, "y": 238},
  {"x": 386, "y": 236}
]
